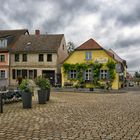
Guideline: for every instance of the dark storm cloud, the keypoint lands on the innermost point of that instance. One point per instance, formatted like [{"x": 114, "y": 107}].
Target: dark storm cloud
[
  {"x": 130, "y": 18},
  {"x": 67, "y": 11},
  {"x": 133, "y": 64},
  {"x": 127, "y": 42}
]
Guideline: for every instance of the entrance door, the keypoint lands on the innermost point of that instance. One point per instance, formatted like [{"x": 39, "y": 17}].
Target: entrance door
[{"x": 50, "y": 74}]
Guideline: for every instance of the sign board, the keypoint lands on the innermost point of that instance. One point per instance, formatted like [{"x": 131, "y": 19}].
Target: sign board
[
  {"x": 118, "y": 68},
  {"x": 101, "y": 60}
]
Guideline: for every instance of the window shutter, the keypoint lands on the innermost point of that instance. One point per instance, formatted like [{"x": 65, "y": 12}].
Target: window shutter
[
  {"x": 6, "y": 74},
  {"x": 13, "y": 74},
  {"x": 86, "y": 55},
  {"x": 84, "y": 75},
  {"x": 35, "y": 73}
]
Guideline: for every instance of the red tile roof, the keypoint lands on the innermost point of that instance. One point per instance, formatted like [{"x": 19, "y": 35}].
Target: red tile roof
[
  {"x": 116, "y": 57},
  {"x": 89, "y": 45}
]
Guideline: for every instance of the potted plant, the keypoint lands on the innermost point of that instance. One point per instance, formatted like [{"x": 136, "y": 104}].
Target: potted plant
[
  {"x": 44, "y": 92},
  {"x": 26, "y": 94}
]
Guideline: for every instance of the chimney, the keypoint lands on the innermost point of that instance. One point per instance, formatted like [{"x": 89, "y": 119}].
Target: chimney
[{"x": 37, "y": 33}]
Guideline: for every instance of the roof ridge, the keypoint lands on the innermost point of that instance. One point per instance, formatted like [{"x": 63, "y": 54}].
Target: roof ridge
[
  {"x": 89, "y": 44},
  {"x": 13, "y": 30}
]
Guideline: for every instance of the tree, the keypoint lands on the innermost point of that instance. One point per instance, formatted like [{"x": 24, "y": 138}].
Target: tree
[
  {"x": 137, "y": 77},
  {"x": 70, "y": 47},
  {"x": 137, "y": 74}
]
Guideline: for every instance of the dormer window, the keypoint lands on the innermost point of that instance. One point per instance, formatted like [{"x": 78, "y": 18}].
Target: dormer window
[
  {"x": 3, "y": 43},
  {"x": 2, "y": 58}
]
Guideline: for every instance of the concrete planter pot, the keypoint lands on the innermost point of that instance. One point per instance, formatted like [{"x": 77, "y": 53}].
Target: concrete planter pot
[
  {"x": 42, "y": 95},
  {"x": 27, "y": 99}
]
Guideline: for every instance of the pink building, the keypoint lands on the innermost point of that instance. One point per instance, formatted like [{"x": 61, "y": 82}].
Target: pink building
[{"x": 7, "y": 41}]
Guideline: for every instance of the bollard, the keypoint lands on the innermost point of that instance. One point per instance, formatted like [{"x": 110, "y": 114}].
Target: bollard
[{"x": 1, "y": 104}]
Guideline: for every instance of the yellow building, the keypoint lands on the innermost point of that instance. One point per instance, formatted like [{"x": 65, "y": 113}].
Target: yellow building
[{"x": 91, "y": 65}]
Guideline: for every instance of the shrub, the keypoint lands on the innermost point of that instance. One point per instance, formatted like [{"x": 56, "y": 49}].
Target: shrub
[
  {"x": 24, "y": 86},
  {"x": 43, "y": 83}
]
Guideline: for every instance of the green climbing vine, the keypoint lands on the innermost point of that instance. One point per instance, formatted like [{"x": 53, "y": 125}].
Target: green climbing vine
[
  {"x": 95, "y": 67},
  {"x": 96, "y": 72},
  {"x": 111, "y": 67}
]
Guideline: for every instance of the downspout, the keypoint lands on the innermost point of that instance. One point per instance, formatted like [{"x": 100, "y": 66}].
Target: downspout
[{"x": 9, "y": 66}]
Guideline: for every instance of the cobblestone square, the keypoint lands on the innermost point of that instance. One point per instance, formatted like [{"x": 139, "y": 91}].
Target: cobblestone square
[{"x": 74, "y": 116}]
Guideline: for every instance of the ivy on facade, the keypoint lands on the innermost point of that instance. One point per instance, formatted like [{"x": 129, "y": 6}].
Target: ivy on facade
[
  {"x": 95, "y": 67},
  {"x": 111, "y": 68}
]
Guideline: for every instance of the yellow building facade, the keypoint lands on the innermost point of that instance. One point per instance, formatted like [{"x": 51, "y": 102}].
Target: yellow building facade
[{"x": 89, "y": 54}]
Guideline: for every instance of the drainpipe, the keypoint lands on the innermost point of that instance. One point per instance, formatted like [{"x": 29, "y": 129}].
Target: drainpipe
[{"x": 9, "y": 66}]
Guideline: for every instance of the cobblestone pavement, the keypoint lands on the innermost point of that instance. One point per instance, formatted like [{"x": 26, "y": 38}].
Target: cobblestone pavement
[{"x": 74, "y": 116}]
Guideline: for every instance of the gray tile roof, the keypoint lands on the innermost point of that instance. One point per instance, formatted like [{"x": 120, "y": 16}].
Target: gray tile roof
[{"x": 15, "y": 35}]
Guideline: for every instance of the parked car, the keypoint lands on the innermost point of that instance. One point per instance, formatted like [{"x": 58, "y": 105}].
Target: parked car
[{"x": 131, "y": 84}]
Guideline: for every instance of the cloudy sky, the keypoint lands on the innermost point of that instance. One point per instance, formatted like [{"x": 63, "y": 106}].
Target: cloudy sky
[{"x": 112, "y": 23}]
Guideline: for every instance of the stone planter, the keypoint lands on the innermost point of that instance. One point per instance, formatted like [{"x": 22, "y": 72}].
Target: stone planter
[
  {"x": 42, "y": 95},
  {"x": 27, "y": 99}
]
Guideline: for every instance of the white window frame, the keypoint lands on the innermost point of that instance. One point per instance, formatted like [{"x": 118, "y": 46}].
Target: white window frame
[
  {"x": 88, "y": 55},
  {"x": 3, "y": 43},
  {"x": 73, "y": 74},
  {"x": 88, "y": 74},
  {"x": 2, "y": 74},
  {"x": 1, "y": 60},
  {"x": 103, "y": 74}
]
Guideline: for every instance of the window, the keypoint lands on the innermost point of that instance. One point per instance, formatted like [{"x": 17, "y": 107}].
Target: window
[
  {"x": 24, "y": 73},
  {"x": 16, "y": 57},
  {"x": 31, "y": 74},
  {"x": 88, "y": 74},
  {"x": 104, "y": 74},
  {"x": 49, "y": 57},
  {"x": 41, "y": 58},
  {"x": 88, "y": 55},
  {"x": 2, "y": 58},
  {"x": 2, "y": 74},
  {"x": 24, "y": 57},
  {"x": 73, "y": 74},
  {"x": 19, "y": 73},
  {"x": 3, "y": 43}
]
